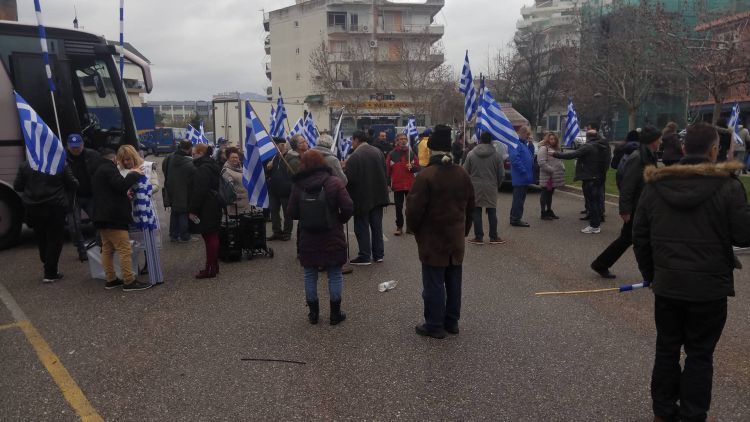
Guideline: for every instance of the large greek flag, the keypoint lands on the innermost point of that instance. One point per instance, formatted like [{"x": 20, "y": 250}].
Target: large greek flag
[
  {"x": 279, "y": 117},
  {"x": 734, "y": 124},
  {"x": 309, "y": 130},
  {"x": 466, "y": 86},
  {"x": 253, "y": 176},
  {"x": 195, "y": 136},
  {"x": 571, "y": 127},
  {"x": 253, "y": 127},
  {"x": 44, "y": 151},
  {"x": 492, "y": 119}
]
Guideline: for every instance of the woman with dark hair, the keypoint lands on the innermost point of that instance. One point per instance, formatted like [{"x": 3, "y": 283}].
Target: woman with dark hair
[
  {"x": 205, "y": 210},
  {"x": 671, "y": 145},
  {"x": 232, "y": 173},
  {"x": 322, "y": 205}
]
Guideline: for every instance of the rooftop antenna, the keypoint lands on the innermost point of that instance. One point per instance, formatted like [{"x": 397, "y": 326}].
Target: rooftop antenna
[{"x": 75, "y": 18}]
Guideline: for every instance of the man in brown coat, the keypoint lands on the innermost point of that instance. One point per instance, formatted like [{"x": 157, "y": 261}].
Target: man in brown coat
[{"x": 439, "y": 213}]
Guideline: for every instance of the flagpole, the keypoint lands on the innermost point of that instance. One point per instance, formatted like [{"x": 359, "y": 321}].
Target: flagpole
[
  {"x": 54, "y": 109},
  {"x": 47, "y": 67}
]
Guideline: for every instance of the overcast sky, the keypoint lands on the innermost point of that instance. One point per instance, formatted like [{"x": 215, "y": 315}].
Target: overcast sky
[{"x": 199, "y": 48}]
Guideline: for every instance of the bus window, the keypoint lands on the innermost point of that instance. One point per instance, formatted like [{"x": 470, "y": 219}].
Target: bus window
[{"x": 101, "y": 116}]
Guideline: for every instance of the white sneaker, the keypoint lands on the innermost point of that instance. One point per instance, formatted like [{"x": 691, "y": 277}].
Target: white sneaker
[{"x": 591, "y": 230}]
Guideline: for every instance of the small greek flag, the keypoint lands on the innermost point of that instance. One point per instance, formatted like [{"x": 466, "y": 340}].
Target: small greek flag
[
  {"x": 43, "y": 41},
  {"x": 309, "y": 131},
  {"x": 44, "y": 151},
  {"x": 253, "y": 176},
  {"x": 344, "y": 148},
  {"x": 492, "y": 119},
  {"x": 466, "y": 87},
  {"x": 337, "y": 132},
  {"x": 279, "y": 117},
  {"x": 571, "y": 127},
  {"x": 734, "y": 124},
  {"x": 253, "y": 127},
  {"x": 272, "y": 126},
  {"x": 411, "y": 131},
  {"x": 195, "y": 136}
]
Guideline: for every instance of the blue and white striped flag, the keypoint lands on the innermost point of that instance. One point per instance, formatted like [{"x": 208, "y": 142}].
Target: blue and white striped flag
[
  {"x": 43, "y": 41},
  {"x": 344, "y": 148},
  {"x": 466, "y": 87},
  {"x": 279, "y": 118},
  {"x": 571, "y": 127},
  {"x": 200, "y": 127},
  {"x": 272, "y": 126},
  {"x": 479, "y": 109},
  {"x": 253, "y": 127},
  {"x": 195, "y": 136},
  {"x": 411, "y": 132},
  {"x": 298, "y": 128},
  {"x": 44, "y": 151},
  {"x": 734, "y": 124},
  {"x": 338, "y": 134},
  {"x": 492, "y": 119},
  {"x": 122, "y": 39},
  {"x": 309, "y": 131},
  {"x": 253, "y": 176}
]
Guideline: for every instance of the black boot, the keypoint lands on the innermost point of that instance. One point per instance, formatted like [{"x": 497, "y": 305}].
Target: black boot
[
  {"x": 546, "y": 215},
  {"x": 553, "y": 215},
  {"x": 314, "y": 311},
  {"x": 336, "y": 314}
]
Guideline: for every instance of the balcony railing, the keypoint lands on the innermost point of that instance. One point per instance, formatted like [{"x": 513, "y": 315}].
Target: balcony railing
[{"x": 413, "y": 29}]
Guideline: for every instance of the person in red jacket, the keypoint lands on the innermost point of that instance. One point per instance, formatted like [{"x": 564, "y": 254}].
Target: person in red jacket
[{"x": 401, "y": 164}]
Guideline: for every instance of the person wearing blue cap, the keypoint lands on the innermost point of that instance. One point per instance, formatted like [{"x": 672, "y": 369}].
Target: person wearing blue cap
[{"x": 83, "y": 161}]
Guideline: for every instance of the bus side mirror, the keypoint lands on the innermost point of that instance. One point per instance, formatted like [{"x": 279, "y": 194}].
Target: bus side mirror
[{"x": 99, "y": 85}]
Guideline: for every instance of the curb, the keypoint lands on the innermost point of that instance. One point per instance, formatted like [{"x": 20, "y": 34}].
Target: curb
[{"x": 579, "y": 191}]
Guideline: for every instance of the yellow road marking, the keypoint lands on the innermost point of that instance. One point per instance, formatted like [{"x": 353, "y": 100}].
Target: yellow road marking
[
  {"x": 60, "y": 375},
  {"x": 6, "y": 326}
]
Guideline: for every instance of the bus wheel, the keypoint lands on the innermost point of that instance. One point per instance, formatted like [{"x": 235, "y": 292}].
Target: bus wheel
[{"x": 11, "y": 219}]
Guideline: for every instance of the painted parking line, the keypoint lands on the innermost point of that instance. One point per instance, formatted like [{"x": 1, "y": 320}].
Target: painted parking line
[{"x": 70, "y": 389}]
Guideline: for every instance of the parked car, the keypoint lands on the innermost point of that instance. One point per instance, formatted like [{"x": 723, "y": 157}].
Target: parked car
[
  {"x": 161, "y": 140},
  {"x": 580, "y": 139}
]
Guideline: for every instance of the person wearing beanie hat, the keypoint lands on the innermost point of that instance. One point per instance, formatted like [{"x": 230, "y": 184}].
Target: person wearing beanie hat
[
  {"x": 630, "y": 192},
  {"x": 83, "y": 162},
  {"x": 439, "y": 213},
  {"x": 323, "y": 146}
]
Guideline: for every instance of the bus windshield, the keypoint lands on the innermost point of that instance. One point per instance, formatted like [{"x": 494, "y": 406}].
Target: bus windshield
[{"x": 97, "y": 102}]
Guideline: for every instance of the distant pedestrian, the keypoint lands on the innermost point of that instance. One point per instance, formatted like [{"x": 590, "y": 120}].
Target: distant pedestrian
[
  {"x": 401, "y": 165},
  {"x": 45, "y": 199},
  {"x": 485, "y": 169},
  {"x": 671, "y": 145},
  {"x": 279, "y": 180},
  {"x": 322, "y": 244},
  {"x": 593, "y": 160},
  {"x": 688, "y": 218},
  {"x": 457, "y": 149},
  {"x": 323, "y": 147},
  {"x": 725, "y": 139},
  {"x": 83, "y": 162},
  {"x": 522, "y": 172},
  {"x": 551, "y": 173},
  {"x": 383, "y": 144},
  {"x": 232, "y": 172},
  {"x": 219, "y": 154},
  {"x": 630, "y": 192},
  {"x": 621, "y": 153},
  {"x": 423, "y": 151},
  {"x": 368, "y": 188},
  {"x": 439, "y": 213},
  {"x": 178, "y": 172},
  {"x": 113, "y": 214},
  {"x": 205, "y": 210}
]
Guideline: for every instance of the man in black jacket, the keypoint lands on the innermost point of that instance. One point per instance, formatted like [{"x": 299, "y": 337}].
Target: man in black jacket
[
  {"x": 630, "y": 191},
  {"x": 178, "y": 172},
  {"x": 279, "y": 182},
  {"x": 45, "y": 198},
  {"x": 591, "y": 168},
  {"x": 83, "y": 162},
  {"x": 112, "y": 216},
  {"x": 686, "y": 222}
]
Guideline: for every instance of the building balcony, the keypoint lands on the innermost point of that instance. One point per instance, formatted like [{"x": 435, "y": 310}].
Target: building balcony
[
  {"x": 266, "y": 22},
  {"x": 267, "y": 44},
  {"x": 409, "y": 30},
  {"x": 268, "y": 70},
  {"x": 547, "y": 7},
  {"x": 546, "y": 22}
]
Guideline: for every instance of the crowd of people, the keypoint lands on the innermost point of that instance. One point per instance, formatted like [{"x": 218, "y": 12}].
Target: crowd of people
[{"x": 682, "y": 216}]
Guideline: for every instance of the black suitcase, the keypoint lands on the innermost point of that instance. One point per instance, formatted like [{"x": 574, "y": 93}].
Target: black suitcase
[
  {"x": 253, "y": 233},
  {"x": 230, "y": 241}
]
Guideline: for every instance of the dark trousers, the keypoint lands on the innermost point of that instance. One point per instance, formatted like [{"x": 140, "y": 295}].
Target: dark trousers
[
  {"x": 278, "y": 206},
  {"x": 178, "y": 225},
  {"x": 49, "y": 230},
  {"x": 697, "y": 326},
  {"x": 615, "y": 249},
  {"x": 592, "y": 191},
  {"x": 211, "y": 240},
  {"x": 442, "y": 295},
  {"x": 74, "y": 220},
  {"x": 545, "y": 199},
  {"x": 368, "y": 228},
  {"x": 492, "y": 219},
  {"x": 399, "y": 197},
  {"x": 516, "y": 209}
]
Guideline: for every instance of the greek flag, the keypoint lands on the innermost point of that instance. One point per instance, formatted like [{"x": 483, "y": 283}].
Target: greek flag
[
  {"x": 253, "y": 127},
  {"x": 309, "y": 130},
  {"x": 44, "y": 151},
  {"x": 492, "y": 119},
  {"x": 43, "y": 41},
  {"x": 146, "y": 219},
  {"x": 479, "y": 109},
  {"x": 734, "y": 121},
  {"x": 279, "y": 118},
  {"x": 337, "y": 132},
  {"x": 571, "y": 127},
  {"x": 122, "y": 39},
  {"x": 253, "y": 176},
  {"x": 272, "y": 126},
  {"x": 411, "y": 131},
  {"x": 344, "y": 148},
  {"x": 195, "y": 136},
  {"x": 297, "y": 129},
  {"x": 466, "y": 86}
]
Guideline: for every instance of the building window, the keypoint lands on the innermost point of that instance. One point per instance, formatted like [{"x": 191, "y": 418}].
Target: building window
[
  {"x": 337, "y": 19},
  {"x": 297, "y": 51},
  {"x": 354, "y": 21},
  {"x": 552, "y": 123},
  {"x": 296, "y": 24}
]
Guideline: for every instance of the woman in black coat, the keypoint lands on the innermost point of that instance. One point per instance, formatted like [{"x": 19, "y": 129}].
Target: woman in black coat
[{"x": 205, "y": 210}]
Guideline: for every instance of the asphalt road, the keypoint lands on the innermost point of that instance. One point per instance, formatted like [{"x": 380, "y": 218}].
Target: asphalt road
[{"x": 175, "y": 352}]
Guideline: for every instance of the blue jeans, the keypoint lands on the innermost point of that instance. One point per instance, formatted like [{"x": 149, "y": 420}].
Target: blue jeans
[
  {"x": 335, "y": 283},
  {"x": 519, "y": 197},
  {"x": 442, "y": 295},
  {"x": 491, "y": 216},
  {"x": 370, "y": 246},
  {"x": 178, "y": 226}
]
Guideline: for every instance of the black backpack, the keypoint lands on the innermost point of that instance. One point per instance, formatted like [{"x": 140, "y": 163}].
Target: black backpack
[
  {"x": 315, "y": 213},
  {"x": 226, "y": 194}
]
